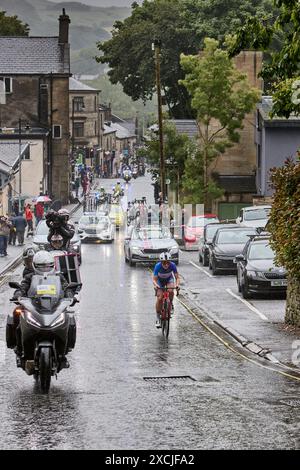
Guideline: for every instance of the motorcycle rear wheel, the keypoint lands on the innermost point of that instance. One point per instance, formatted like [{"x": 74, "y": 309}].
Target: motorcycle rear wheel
[{"x": 45, "y": 369}]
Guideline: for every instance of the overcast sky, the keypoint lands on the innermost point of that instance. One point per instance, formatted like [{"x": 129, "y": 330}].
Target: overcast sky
[{"x": 103, "y": 3}]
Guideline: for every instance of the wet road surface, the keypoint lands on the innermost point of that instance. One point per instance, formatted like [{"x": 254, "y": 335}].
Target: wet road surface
[{"x": 120, "y": 392}]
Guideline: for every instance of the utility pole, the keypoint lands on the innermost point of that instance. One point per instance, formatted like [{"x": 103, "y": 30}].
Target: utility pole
[{"x": 157, "y": 48}]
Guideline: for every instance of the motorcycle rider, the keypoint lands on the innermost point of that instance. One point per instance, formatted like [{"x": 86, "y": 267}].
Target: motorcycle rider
[
  {"x": 59, "y": 224},
  {"x": 165, "y": 274},
  {"x": 43, "y": 264},
  {"x": 28, "y": 254}
]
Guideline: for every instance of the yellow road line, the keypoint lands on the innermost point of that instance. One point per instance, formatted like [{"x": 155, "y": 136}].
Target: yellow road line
[{"x": 228, "y": 346}]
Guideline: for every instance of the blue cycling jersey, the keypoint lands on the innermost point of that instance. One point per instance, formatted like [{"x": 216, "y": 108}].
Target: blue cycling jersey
[{"x": 165, "y": 276}]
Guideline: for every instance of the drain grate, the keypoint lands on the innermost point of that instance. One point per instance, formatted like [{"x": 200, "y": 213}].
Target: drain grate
[{"x": 177, "y": 378}]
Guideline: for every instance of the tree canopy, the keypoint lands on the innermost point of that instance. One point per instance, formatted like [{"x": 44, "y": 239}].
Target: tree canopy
[
  {"x": 221, "y": 97},
  {"x": 12, "y": 26},
  {"x": 285, "y": 231},
  {"x": 182, "y": 26},
  {"x": 284, "y": 69}
]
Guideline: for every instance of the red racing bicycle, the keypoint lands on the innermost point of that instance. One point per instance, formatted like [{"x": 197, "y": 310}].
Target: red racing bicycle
[{"x": 166, "y": 310}]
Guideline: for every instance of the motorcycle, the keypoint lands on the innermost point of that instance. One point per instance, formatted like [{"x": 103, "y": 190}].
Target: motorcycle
[
  {"x": 42, "y": 328},
  {"x": 127, "y": 176}
]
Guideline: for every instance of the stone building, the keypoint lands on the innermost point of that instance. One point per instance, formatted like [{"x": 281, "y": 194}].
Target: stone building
[
  {"x": 86, "y": 128},
  {"x": 235, "y": 170},
  {"x": 36, "y": 73}
]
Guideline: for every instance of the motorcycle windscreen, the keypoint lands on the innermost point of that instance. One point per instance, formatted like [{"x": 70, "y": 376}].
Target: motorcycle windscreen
[{"x": 47, "y": 292}]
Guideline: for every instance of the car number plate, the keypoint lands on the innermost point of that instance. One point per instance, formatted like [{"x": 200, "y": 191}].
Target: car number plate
[{"x": 279, "y": 283}]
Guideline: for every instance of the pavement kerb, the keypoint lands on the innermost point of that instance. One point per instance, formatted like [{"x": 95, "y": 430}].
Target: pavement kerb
[
  {"x": 11, "y": 264},
  {"x": 248, "y": 344}
]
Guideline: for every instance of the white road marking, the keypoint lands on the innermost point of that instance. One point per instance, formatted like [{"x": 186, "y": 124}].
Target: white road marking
[
  {"x": 253, "y": 309},
  {"x": 201, "y": 269}
]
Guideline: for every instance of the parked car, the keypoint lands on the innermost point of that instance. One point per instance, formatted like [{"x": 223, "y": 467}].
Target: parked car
[
  {"x": 195, "y": 228},
  {"x": 226, "y": 245},
  {"x": 206, "y": 240},
  {"x": 145, "y": 245},
  {"x": 256, "y": 270},
  {"x": 96, "y": 227},
  {"x": 254, "y": 216},
  {"x": 41, "y": 241}
]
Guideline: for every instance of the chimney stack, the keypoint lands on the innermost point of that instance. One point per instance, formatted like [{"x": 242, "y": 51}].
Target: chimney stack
[{"x": 64, "y": 21}]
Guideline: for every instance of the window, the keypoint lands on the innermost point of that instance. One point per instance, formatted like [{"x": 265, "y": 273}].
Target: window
[
  {"x": 8, "y": 84},
  {"x": 57, "y": 132},
  {"x": 78, "y": 104},
  {"x": 78, "y": 129}
]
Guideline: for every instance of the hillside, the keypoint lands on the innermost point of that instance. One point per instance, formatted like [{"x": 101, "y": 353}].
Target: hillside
[{"x": 89, "y": 24}]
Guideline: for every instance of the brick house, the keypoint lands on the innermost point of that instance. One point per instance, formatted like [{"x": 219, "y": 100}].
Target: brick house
[{"x": 36, "y": 73}]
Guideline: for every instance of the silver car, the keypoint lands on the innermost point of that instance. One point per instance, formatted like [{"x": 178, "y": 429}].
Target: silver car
[
  {"x": 41, "y": 239},
  {"x": 145, "y": 245},
  {"x": 96, "y": 227}
]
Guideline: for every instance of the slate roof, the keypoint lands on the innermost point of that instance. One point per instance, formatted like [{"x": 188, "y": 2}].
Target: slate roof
[
  {"x": 121, "y": 131},
  {"x": 76, "y": 85},
  {"x": 9, "y": 155},
  {"x": 32, "y": 55}
]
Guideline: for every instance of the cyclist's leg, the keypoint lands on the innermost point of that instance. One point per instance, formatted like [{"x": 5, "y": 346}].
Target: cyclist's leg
[
  {"x": 171, "y": 286},
  {"x": 159, "y": 299}
]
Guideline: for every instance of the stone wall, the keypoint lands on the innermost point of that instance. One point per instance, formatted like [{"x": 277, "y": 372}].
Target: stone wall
[
  {"x": 22, "y": 103},
  {"x": 241, "y": 158}
]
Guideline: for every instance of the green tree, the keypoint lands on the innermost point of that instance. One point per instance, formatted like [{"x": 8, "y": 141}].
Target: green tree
[
  {"x": 285, "y": 229},
  {"x": 131, "y": 59},
  {"x": 218, "y": 18},
  {"x": 283, "y": 71},
  {"x": 181, "y": 25},
  {"x": 176, "y": 151},
  {"x": 12, "y": 26},
  {"x": 221, "y": 97}
]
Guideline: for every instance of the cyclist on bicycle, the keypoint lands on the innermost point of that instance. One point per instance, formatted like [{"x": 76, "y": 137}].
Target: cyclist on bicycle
[{"x": 165, "y": 274}]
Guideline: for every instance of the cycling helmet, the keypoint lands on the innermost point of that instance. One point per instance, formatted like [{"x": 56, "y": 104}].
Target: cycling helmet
[
  {"x": 57, "y": 242},
  {"x": 43, "y": 263},
  {"x": 165, "y": 256},
  {"x": 29, "y": 251}
]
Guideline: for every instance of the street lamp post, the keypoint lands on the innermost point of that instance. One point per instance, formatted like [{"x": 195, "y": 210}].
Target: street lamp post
[{"x": 157, "y": 49}]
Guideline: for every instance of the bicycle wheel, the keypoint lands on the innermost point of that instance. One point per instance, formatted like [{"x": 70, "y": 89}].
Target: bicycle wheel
[{"x": 165, "y": 323}]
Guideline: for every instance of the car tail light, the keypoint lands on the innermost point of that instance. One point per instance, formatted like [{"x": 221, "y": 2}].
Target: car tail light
[{"x": 189, "y": 237}]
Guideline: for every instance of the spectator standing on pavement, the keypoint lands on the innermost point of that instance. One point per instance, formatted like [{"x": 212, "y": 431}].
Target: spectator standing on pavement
[
  {"x": 12, "y": 232},
  {"x": 5, "y": 225},
  {"x": 39, "y": 212},
  {"x": 29, "y": 219},
  {"x": 20, "y": 225},
  {"x": 16, "y": 207}
]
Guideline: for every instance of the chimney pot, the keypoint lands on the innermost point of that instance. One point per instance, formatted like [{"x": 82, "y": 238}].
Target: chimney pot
[{"x": 64, "y": 21}]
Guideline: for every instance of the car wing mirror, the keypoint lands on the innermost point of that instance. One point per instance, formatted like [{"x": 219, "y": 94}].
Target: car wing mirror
[{"x": 240, "y": 258}]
